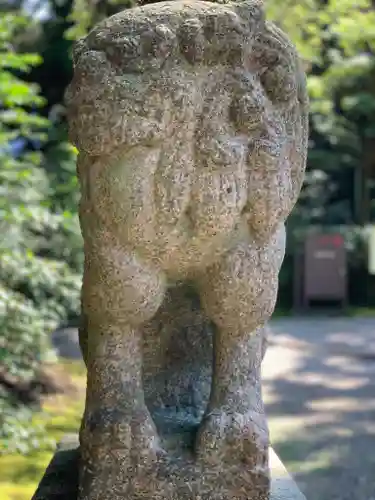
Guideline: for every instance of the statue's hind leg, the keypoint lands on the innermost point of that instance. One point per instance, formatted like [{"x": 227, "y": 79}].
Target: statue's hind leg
[
  {"x": 239, "y": 295},
  {"x": 118, "y": 436}
]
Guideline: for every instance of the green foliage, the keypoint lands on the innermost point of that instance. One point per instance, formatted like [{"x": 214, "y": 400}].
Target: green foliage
[
  {"x": 337, "y": 40},
  {"x": 312, "y": 24},
  {"x": 85, "y": 14},
  {"x": 19, "y": 434},
  {"x": 39, "y": 283}
]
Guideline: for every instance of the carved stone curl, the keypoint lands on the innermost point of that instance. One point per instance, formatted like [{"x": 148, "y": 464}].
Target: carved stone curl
[{"x": 191, "y": 124}]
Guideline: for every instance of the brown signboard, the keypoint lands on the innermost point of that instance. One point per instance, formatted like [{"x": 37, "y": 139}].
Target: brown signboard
[{"x": 325, "y": 268}]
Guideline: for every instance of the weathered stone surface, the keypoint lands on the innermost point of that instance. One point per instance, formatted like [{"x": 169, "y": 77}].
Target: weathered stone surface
[
  {"x": 60, "y": 482},
  {"x": 191, "y": 122}
]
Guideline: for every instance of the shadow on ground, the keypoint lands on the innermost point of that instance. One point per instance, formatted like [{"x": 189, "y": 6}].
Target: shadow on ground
[{"x": 319, "y": 384}]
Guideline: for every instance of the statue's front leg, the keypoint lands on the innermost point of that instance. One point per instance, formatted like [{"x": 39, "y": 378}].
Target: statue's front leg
[
  {"x": 118, "y": 436},
  {"x": 239, "y": 295}
]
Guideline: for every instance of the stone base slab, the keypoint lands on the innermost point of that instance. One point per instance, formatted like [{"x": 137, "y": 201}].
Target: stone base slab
[{"x": 60, "y": 480}]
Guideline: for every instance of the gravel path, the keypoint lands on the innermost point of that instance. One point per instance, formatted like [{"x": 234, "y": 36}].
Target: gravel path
[{"x": 319, "y": 387}]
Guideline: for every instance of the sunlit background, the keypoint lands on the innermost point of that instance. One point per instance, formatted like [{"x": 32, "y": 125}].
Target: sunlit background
[{"x": 319, "y": 372}]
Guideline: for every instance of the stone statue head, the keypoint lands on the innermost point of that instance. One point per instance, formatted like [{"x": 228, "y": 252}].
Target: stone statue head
[{"x": 149, "y": 74}]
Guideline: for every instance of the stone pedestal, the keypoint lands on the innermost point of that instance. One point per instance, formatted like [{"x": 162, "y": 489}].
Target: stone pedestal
[{"x": 60, "y": 481}]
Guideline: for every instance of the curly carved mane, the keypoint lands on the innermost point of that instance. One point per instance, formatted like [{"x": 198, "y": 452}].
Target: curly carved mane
[
  {"x": 144, "y": 52},
  {"x": 215, "y": 88}
]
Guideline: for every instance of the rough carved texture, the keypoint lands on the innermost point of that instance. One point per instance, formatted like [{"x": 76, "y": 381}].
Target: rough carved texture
[
  {"x": 60, "y": 481},
  {"x": 191, "y": 122}
]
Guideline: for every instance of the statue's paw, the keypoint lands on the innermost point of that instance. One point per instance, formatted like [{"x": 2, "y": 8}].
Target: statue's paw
[
  {"x": 116, "y": 447},
  {"x": 234, "y": 438},
  {"x": 128, "y": 438}
]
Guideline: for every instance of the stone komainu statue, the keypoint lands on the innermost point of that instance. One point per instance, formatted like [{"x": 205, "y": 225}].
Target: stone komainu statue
[{"x": 191, "y": 124}]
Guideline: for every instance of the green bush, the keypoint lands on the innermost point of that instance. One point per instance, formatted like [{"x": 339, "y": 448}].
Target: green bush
[{"x": 40, "y": 247}]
